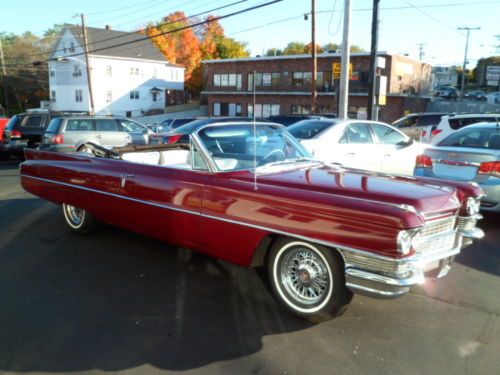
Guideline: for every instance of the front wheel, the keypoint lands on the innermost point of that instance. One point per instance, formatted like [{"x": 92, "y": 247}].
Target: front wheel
[
  {"x": 308, "y": 280},
  {"x": 78, "y": 219}
]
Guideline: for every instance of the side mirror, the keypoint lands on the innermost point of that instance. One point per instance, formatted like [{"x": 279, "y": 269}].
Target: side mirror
[{"x": 406, "y": 143}]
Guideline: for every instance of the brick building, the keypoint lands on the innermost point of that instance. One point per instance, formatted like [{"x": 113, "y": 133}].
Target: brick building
[{"x": 283, "y": 85}]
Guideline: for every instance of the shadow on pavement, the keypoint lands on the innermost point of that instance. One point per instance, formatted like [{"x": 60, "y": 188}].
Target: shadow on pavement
[
  {"x": 116, "y": 300},
  {"x": 484, "y": 255}
]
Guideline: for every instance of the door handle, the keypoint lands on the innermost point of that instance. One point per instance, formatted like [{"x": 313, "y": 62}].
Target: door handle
[{"x": 123, "y": 179}]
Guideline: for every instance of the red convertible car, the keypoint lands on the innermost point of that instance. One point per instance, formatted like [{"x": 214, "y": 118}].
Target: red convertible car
[{"x": 250, "y": 194}]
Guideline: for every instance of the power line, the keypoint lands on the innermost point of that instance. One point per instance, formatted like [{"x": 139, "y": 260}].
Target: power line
[
  {"x": 182, "y": 28},
  {"x": 124, "y": 34},
  {"x": 123, "y": 8}
]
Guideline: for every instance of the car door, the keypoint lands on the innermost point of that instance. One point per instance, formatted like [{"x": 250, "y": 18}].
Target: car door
[
  {"x": 398, "y": 152},
  {"x": 138, "y": 132},
  {"x": 356, "y": 148},
  {"x": 109, "y": 133}
]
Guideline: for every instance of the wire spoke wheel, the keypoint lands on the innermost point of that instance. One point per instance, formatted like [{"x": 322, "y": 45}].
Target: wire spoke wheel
[{"x": 74, "y": 215}]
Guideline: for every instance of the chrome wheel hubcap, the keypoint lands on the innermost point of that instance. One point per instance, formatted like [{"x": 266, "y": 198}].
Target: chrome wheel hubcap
[
  {"x": 74, "y": 214},
  {"x": 304, "y": 276}
]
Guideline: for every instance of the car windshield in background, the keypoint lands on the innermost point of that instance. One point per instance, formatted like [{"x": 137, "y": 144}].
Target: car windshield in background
[
  {"x": 475, "y": 138},
  {"x": 236, "y": 147},
  {"x": 308, "y": 129}
]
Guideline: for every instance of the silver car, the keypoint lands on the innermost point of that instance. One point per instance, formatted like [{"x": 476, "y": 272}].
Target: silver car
[
  {"x": 470, "y": 154},
  {"x": 73, "y": 133}
]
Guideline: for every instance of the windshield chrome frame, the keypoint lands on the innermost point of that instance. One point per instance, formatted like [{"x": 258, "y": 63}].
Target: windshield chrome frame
[{"x": 194, "y": 137}]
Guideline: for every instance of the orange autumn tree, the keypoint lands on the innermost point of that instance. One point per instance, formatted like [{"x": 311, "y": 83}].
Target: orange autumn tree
[
  {"x": 180, "y": 47},
  {"x": 190, "y": 46}
]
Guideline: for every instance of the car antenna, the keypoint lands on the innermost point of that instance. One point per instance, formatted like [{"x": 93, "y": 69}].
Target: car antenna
[{"x": 254, "y": 139}]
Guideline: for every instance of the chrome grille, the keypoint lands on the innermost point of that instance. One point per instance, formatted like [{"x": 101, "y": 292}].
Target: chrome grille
[
  {"x": 466, "y": 223},
  {"x": 438, "y": 235},
  {"x": 371, "y": 263}
]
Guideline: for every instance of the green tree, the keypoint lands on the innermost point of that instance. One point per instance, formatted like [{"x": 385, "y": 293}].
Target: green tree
[
  {"x": 274, "y": 52},
  {"x": 230, "y": 48},
  {"x": 295, "y": 48}
]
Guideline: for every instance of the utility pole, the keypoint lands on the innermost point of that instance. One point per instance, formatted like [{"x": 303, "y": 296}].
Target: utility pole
[
  {"x": 421, "y": 50},
  {"x": 462, "y": 85},
  {"x": 344, "y": 62},
  {"x": 87, "y": 60},
  {"x": 313, "y": 55},
  {"x": 4, "y": 71},
  {"x": 372, "y": 80}
]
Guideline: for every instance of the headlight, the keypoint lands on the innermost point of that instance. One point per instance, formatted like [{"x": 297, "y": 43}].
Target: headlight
[
  {"x": 408, "y": 240},
  {"x": 473, "y": 204}
]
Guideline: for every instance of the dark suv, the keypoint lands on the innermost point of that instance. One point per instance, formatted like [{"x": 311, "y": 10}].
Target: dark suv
[{"x": 25, "y": 130}]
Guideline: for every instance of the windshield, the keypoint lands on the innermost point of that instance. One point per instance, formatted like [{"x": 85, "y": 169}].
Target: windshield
[
  {"x": 308, "y": 129},
  {"x": 475, "y": 138},
  {"x": 236, "y": 147}
]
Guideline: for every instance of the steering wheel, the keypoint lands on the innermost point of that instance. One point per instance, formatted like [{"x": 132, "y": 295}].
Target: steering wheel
[{"x": 275, "y": 152}]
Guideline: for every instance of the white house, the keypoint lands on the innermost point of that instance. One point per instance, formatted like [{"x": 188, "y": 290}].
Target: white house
[
  {"x": 445, "y": 75},
  {"x": 127, "y": 80}
]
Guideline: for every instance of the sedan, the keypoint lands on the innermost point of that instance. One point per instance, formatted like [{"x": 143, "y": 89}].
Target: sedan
[
  {"x": 470, "y": 154},
  {"x": 359, "y": 144}
]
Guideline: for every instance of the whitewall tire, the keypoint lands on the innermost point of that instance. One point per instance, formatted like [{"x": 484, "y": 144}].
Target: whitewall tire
[{"x": 78, "y": 219}]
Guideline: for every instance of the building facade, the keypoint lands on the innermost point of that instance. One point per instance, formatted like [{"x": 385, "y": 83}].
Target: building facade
[
  {"x": 128, "y": 80},
  {"x": 445, "y": 76},
  {"x": 283, "y": 85}
]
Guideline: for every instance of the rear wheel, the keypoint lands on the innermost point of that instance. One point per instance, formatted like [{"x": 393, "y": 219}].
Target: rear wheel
[
  {"x": 308, "y": 280},
  {"x": 78, "y": 219}
]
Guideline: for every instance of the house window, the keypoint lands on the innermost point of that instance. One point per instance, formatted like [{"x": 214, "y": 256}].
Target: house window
[
  {"x": 53, "y": 96},
  {"x": 109, "y": 96},
  {"x": 155, "y": 96},
  {"x": 155, "y": 73},
  {"x": 216, "y": 79},
  {"x": 78, "y": 96},
  {"x": 77, "y": 72},
  {"x": 72, "y": 47},
  {"x": 266, "y": 79},
  {"x": 264, "y": 110},
  {"x": 109, "y": 71},
  {"x": 134, "y": 94},
  {"x": 52, "y": 73},
  {"x": 134, "y": 71}
]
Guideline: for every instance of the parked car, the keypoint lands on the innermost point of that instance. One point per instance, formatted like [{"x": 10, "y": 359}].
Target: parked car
[
  {"x": 26, "y": 130},
  {"x": 288, "y": 120},
  {"x": 478, "y": 95},
  {"x": 449, "y": 93},
  {"x": 173, "y": 123},
  {"x": 181, "y": 134},
  {"x": 415, "y": 123},
  {"x": 73, "y": 133},
  {"x": 369, "y": 145},
  {"x": 470, "y": 154},
  {"x": 450, "y": 124},
  {"x": 251, "y": 194},
  {"x": 3, "y": 123},
  {"x": 493, "y": 97}
]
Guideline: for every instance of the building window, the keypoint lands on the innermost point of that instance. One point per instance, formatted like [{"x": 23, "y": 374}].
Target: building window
[
  {"x": 228, "y": 80},
  {"x": 53, "y": 96},
  {"x": 109, "y": 71},
  {"x": 155, "y": 96},
  {"x": 250, "y": 82},
  {"x": 227, "y": 109},
  {"x": 266, "y": 79},
  {"x": 134, "y": 71},
  {"x": 52, "y": 73},
  {"x": 134, "y": 94},
  {"x": 264, "y": 110},
  {"x": 77, "y": 72},
  {"x": 301, "y": 79},
  {"x": 109, "y": 96},
  {"x": 72, "y": 47},
  {"x": 258, "y": 79},
  {"x": 275, "y": 79},
  {"x": 155, "y": 73},
  {"x": 78, "y": 96}
]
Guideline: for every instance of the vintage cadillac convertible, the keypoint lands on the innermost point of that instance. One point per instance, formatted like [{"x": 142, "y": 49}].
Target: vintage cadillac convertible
[{"x": 250, "y": 194}]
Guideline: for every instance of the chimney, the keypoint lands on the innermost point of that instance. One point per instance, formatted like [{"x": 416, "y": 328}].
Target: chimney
[{"x": 108, "y": 27}]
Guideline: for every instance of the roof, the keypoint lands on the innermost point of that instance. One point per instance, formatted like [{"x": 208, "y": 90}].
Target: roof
[
  {"x": 104, "y": 41},
  {"x": 290, "y": 57}
]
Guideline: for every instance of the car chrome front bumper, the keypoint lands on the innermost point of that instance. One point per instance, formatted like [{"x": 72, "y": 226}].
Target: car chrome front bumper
[{"x": 405, "y": 272}]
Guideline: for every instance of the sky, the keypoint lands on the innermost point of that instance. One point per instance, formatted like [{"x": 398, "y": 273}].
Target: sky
[{"x": 403, "y": 24}]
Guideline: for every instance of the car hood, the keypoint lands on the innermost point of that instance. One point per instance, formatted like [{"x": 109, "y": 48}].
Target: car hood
[{"x": 427, "y": 198}]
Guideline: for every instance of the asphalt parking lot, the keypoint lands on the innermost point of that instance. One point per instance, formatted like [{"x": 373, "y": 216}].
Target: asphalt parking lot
[{"x": 115, "y": 301}]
